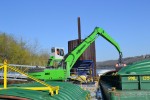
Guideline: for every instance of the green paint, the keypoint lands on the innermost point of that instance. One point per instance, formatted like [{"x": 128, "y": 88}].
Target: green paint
[
  {"x": 131, "y": 82},
  {"x": 68, "y": 91},
  {"x": 62, "y": 72}
]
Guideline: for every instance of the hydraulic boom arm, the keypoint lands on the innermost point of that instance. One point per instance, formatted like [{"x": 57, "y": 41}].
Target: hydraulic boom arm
[
  {"x": 62, "y": 70},
  {"x": 72, "y": 57}
]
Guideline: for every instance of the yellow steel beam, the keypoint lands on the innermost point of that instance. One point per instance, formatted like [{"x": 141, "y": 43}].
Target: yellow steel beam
[
  {"x": 50, "y": 88},
  {"x": 33, "y": 78},
  {"x": 35, "y": 88},
  {"x": 5, "y": 74},
  {"x": 1, "y": 67}
]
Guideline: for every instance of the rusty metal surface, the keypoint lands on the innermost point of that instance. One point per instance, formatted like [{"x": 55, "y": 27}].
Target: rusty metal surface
[
  {"x": 89, "y": 54},
  {"x": 5, "y": 97}
]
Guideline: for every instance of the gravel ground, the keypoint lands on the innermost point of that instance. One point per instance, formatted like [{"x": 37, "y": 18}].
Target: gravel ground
[{"x": 92, "y": 88}]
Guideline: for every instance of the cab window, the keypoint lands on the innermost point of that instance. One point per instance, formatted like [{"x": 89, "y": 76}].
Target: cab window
[{"x": 61, "y": 52}]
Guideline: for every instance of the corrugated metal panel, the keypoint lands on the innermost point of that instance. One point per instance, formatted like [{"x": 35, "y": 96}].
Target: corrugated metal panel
[
  {"x": 68, "y": 91},
  {"x": 131, "y": 82},
  {"x": 89, "y": 54},
  {"x": 138, "y": 68}
]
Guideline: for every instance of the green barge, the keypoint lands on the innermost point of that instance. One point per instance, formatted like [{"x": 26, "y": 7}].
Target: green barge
[
  {"x": 129, "y": 83},
  {"x": 68, "y": 91}
]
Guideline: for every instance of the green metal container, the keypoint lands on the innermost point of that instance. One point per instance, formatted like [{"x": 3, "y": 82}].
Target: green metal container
[
  {"x": 128, "y": 82},
  {"x": 131, "y": 82},
  {"x": 145, "y": 82},
  {"x": 68, "y": 91},
  {"x": 137, "y": 74}
]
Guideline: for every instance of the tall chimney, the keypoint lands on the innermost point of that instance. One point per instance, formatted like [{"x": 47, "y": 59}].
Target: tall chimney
[{"x": 79, "y": 31}]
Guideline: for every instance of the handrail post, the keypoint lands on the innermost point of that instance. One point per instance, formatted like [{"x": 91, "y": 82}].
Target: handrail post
[{"x": 5, "y": 74}]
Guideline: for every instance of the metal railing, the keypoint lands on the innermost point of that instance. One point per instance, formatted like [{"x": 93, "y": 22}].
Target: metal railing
[{"x": 5, "y": 67}]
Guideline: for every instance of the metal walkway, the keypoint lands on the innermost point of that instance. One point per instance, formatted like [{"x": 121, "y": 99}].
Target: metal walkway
[{"x": 12, "y": 75}]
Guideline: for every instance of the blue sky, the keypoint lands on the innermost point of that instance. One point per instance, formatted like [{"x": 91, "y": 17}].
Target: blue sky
[{"x": 53, "y": 23}]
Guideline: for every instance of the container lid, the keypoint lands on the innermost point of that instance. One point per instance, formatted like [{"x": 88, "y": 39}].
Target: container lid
[{"x": 137, "y": 68}]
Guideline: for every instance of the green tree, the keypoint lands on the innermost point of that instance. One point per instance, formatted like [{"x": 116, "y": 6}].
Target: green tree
[{"x": 18, "y": 52}]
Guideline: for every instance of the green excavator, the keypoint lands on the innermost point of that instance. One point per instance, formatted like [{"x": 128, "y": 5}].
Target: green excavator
[{"x": 61, "y": 70}]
